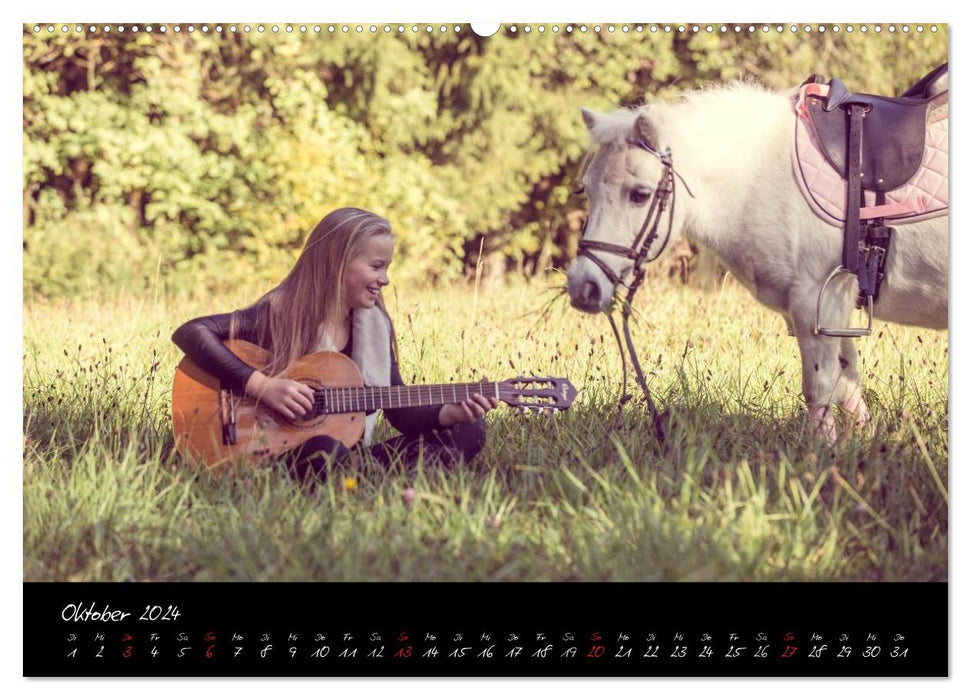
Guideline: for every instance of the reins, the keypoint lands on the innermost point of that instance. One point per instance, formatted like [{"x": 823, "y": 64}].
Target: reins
[{"x": 638, "y": 252}]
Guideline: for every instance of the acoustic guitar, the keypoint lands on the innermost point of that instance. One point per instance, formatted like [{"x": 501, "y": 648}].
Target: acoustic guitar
[{"x": 217, "y": 426}]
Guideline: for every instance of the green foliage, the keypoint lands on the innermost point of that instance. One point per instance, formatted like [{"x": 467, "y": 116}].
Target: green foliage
[{"x": 181, "y": 160}]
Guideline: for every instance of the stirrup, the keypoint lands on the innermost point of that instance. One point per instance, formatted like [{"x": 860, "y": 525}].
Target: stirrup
[{"x": 842, "y": 332}]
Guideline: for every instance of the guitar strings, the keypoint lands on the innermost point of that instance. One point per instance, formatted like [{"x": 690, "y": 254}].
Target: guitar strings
[{"x": 356, "y": 399}]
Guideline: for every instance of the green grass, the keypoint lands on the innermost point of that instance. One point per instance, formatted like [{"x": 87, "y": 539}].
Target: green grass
[{"x": 742, "y": 491}]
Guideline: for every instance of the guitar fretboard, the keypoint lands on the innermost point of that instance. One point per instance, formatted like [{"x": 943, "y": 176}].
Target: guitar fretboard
[{"x": 368, "y": 399}]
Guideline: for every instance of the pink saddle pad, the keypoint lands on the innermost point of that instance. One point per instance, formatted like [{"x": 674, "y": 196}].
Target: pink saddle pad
[{"x": 924, "y": 196}]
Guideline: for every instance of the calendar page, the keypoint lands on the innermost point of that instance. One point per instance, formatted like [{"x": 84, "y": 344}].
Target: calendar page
[{"x": 518, "y": 349}]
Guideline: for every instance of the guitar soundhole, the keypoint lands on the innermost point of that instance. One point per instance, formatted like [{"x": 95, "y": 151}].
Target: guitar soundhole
[{"x": 305, "y": 420}]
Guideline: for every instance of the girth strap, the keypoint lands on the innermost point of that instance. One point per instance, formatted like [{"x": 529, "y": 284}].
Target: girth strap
[{"x": 877, "y": 243}]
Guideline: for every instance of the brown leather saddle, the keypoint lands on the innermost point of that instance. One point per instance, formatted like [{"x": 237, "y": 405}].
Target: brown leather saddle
[
  {"x": 877, "y": 144},
  {"x": 892, "y": 130}
]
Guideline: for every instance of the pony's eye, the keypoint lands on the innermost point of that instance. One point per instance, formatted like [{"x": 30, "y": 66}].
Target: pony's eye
[{"x": 640, "y": 196}]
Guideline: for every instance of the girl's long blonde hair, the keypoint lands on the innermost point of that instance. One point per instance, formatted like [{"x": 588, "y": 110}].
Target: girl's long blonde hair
[{"x": 312, "y": 293}]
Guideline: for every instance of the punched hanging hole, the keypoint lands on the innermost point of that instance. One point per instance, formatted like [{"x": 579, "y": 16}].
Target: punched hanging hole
[{"x": 485, "y": 28}]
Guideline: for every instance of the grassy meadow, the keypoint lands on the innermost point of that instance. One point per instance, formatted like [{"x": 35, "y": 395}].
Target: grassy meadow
[{"x": 742, "y": 491}]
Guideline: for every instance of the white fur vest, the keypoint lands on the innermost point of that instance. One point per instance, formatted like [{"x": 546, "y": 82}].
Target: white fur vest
[{"x": 371, "y": 352}]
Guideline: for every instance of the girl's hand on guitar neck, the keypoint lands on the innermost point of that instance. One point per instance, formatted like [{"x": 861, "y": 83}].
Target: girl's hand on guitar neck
[
  {"x": 289, "y": 398},
  {"x": 469, "y": 411}
]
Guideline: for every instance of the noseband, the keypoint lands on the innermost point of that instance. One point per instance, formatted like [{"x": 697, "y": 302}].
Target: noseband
[{"x": 638, "y": 253}]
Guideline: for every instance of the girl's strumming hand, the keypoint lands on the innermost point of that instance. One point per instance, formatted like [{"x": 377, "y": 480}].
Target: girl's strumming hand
[
  {"x": 468, "y": 411},
  {"x": 285, "y": 396}
]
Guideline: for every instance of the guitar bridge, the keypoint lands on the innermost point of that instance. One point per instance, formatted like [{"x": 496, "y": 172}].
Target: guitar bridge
[{"x": 227, "y": 417}]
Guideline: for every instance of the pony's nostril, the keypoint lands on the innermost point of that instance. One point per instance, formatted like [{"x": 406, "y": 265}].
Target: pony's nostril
[{"x": 591, "y": 294}]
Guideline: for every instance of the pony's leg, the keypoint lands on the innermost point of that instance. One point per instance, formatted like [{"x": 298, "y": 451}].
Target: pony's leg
[
  {"x": 821, "y": 379},
  {"x": 850, "y": 393},
  {"x": 829, "y": 372}
]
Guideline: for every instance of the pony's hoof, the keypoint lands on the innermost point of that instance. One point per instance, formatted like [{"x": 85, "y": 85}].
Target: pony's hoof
[{"x": 823, "y": 424}]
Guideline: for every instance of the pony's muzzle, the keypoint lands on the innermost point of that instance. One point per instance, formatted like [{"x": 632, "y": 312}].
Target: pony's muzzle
[{"x": 587, "y": 292}]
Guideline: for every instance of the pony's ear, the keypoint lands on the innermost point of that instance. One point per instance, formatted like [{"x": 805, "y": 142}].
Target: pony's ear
[
  {"x": 644, "y": 130},
  {"x": 589, "y": 117}
]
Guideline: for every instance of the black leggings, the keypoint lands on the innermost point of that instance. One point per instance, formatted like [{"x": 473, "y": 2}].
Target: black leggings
[{"x": 446, "y": 446}]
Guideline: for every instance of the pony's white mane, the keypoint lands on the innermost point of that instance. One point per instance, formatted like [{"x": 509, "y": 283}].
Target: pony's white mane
[
  {"x": 706, "y": 128},
  {"x": 716, "y": 100},
  {"x": 722, "y": 137}
]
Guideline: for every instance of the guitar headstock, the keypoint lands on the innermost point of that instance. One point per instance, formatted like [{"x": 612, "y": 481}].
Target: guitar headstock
[{"x": 538, "y": 393}]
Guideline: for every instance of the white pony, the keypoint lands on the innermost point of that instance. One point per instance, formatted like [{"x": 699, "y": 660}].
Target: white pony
[{"x": 732, "y": 146}]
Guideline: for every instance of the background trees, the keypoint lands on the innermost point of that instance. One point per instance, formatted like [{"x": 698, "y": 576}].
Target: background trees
[{"x": 194, "y": 160}]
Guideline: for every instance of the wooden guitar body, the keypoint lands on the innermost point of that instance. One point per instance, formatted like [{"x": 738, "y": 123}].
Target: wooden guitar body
[{"x": 216, "y": 427}]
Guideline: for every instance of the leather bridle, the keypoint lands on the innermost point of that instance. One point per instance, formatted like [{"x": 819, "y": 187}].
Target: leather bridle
[{"x": 638, "y": 252}]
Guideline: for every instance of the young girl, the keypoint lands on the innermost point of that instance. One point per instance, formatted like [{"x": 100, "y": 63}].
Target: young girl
[{"x": 331, "y": 300}]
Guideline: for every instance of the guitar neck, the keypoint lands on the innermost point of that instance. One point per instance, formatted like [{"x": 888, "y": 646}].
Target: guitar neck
[{"x": 368, "y": 399}]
